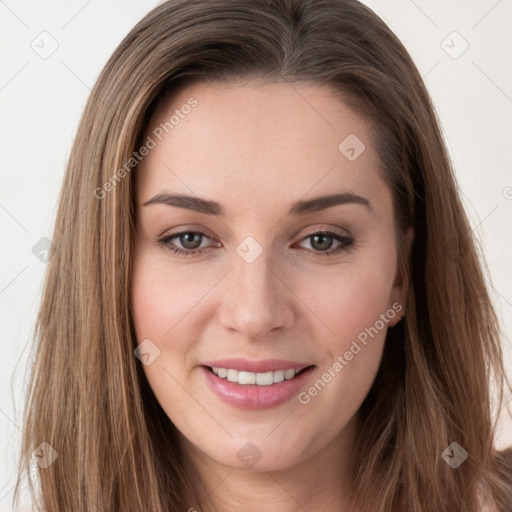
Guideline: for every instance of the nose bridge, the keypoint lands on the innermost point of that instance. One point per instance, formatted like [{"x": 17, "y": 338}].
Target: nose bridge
[{"x": 256, "y": 300}]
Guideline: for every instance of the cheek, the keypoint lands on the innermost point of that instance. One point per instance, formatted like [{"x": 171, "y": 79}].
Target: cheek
[
  {"x": 156, "y": 310},
  {"x": 152, "y": 315},
  {"x": 352, "y": 301},
  {"x": 161, "y": 297},
  {"x": 351, "y": 351},
  {"x": 166, "y": 309},
  {"x": 160, "y": 303},
  {"x": 354, "y": 305}
]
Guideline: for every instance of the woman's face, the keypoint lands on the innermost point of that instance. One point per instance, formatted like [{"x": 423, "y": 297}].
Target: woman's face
[{"x": 274, "y": 279}]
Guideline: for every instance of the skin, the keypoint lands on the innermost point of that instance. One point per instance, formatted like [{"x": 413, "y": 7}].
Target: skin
[{"x": 256, "y": 149}]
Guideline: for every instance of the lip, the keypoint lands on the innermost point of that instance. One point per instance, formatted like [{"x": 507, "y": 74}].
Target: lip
[
  {"x": 253, "y": 396},
  {"x": 266, "y": 365}
]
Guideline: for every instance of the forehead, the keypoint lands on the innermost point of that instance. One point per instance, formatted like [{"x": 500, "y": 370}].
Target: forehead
[{"x": 244, "y": 144}]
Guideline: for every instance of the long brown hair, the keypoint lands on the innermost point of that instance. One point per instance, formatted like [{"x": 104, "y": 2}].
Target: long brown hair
[{"x": 88, "y": 397}]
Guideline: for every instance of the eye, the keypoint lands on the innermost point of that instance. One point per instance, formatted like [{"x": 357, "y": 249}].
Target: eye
[
  {"x": 191, "y": 242},
  {"x": 322, "y": 241}
]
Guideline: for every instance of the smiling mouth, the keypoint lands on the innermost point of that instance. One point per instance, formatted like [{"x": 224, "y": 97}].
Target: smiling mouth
[{"x": 258, "y": 379}]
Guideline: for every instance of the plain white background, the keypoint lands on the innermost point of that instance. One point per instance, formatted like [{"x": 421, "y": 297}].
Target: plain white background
[{"x": 462, "y": 48}]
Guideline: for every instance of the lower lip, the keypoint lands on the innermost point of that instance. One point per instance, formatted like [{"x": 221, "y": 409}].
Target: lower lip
[{"x": 253, "y": 396}]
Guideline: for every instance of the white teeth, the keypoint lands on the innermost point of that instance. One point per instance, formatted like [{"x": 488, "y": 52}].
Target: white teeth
[
  {"x": 279, "y": 376},
  {"x": 246, "y": 378},
  {"x": 261, "y": 379},
  {"x": 264, "y": 379},
  {"x": 289, "y": 374},
  {"x": 232, "y": 375}
]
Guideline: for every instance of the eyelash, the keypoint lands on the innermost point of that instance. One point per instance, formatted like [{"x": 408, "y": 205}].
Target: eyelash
[{"x": 186, "y": 253}]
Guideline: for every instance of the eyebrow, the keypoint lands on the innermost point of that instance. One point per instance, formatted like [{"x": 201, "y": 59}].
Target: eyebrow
[{"x": 299, "y": 208}]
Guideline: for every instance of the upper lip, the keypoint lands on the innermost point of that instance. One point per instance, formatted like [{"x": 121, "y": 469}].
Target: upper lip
[{"x": 262, "y": 366}]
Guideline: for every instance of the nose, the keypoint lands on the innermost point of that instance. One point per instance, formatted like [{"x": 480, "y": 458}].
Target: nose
[{"x": 256, "y": 298}]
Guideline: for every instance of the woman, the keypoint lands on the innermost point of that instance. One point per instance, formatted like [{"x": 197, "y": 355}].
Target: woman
[{"x": 265, "y": 294}]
